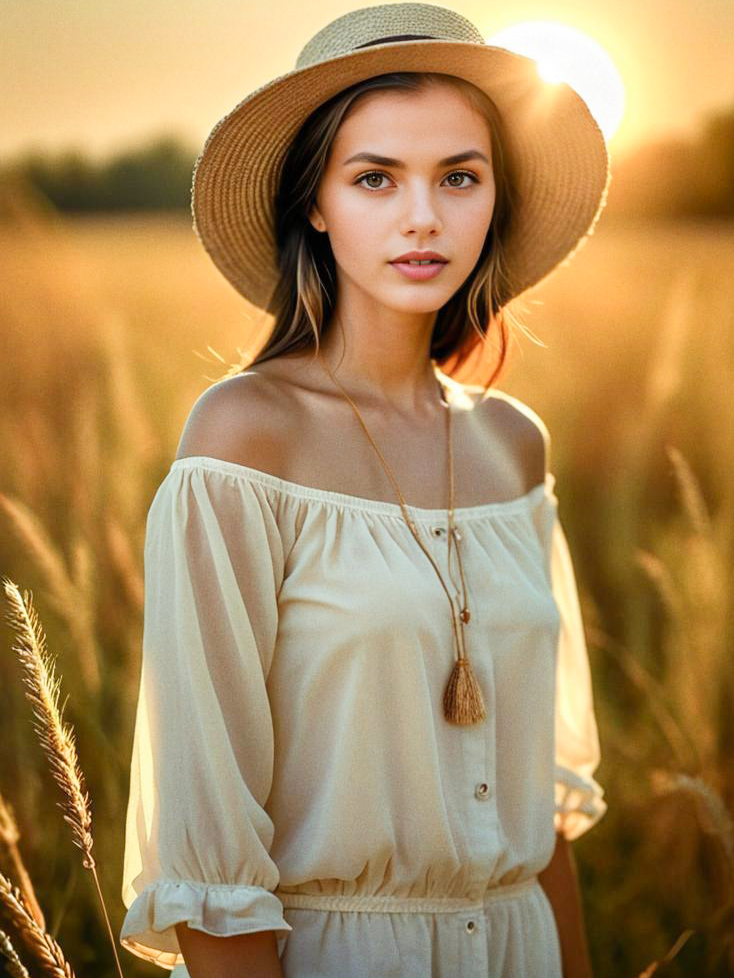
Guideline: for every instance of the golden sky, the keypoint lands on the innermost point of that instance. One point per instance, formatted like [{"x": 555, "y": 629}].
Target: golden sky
[{"x": 102, "y": 75}]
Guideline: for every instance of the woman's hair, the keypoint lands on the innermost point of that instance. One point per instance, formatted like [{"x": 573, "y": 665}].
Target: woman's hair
[{"x": 305, "y": 293}]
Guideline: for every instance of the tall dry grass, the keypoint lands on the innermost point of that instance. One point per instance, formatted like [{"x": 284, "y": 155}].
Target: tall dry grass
[
  {"x": 113, "y": 327},
  {"x": 640, "y": 390},
  {"x": 59, "y": 746}
]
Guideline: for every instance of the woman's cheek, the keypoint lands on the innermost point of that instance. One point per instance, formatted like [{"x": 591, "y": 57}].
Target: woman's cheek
[
  {"x": 357, "y": 234},
  {"x": 351, "y": 250}
]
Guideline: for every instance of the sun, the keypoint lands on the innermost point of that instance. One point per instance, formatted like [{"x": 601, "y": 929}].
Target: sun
[{"x": 565, "y": 54}]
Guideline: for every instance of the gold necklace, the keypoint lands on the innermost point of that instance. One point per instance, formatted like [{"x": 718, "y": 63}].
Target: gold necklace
[{"x": 462, "y": 700}]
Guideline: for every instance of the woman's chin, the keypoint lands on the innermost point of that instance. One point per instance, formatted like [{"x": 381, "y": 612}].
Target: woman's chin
[{"x": 419, "y": 297}]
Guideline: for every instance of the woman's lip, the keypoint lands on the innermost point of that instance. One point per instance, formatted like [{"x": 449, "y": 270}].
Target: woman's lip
[{"x": 418, "y": 273}]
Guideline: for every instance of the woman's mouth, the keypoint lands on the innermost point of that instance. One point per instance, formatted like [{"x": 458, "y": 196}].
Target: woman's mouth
[{"x": 418, "y": 272}]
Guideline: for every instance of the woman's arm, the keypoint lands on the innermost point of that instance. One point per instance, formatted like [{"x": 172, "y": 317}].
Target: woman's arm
[
  {"x": 239, "y": 956},
  {"x": 559, "y": 880}
]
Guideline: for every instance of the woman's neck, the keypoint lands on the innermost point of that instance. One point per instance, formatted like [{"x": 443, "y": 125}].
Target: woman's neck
[{"x": 390, "y": 363}]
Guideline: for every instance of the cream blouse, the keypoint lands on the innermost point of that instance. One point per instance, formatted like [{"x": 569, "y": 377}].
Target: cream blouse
[{"x": 289, "y": 733}]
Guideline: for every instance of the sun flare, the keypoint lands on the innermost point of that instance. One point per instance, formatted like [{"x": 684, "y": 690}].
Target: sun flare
[{"x": 564, "y": 54}]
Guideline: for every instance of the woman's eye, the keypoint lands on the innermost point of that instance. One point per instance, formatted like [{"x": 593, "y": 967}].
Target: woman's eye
[
  {"x": 366, "y": 176},
  {"x": 462, "y": 173},
  {"x": 379, "y": 176}
]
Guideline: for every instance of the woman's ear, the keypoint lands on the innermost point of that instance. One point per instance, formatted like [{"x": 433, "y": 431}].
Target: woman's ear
[{"x": 317, "y": 221}]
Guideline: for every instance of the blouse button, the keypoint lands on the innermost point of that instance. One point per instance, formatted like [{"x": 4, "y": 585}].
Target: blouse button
[
  {"x": 482, "y": 791},
  {"x": 470, "y": 926}
]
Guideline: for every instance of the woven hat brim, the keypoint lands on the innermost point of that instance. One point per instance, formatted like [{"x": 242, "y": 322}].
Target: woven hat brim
[{"x": 557, "y": 150}]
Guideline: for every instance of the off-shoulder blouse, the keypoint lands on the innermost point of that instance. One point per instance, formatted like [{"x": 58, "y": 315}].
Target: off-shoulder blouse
[{"x": 291, "y": 766}]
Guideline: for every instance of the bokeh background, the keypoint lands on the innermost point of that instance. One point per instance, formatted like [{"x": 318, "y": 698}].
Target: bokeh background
[{"x": 113, "y": 320}]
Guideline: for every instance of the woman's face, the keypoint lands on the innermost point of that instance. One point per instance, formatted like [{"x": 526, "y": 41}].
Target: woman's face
[{"x": 412, "y": 200}]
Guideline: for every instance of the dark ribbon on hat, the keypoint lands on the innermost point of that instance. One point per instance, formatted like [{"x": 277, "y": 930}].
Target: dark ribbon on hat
[{"x": 399, "y": 37}]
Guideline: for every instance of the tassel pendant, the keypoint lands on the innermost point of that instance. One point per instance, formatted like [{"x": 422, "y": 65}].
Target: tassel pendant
[{"x": 462, "y": 700}]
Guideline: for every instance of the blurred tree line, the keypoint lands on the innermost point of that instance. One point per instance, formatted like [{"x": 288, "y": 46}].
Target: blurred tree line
[
  {"x": 667, "y": 179},
  {"x": 155, "y": 176},
  {"x": 678, "y": 178}
]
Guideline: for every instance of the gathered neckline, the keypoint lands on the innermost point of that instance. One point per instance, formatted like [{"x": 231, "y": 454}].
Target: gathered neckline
[{"x": 348, "y": 501}]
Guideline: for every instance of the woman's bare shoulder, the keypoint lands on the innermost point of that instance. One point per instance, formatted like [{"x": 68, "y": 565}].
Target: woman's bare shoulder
[
  {"x": 522, "y": 428},
  {"x": 242, "y": 419},
  {"x": 513, "y": 407}
]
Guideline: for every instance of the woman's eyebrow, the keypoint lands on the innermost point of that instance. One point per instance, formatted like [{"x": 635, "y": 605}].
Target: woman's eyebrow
[{"x": 469, "y": 154}]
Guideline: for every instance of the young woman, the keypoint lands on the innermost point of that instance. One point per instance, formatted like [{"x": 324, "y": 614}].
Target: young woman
[{"x": 365, "y": 732}]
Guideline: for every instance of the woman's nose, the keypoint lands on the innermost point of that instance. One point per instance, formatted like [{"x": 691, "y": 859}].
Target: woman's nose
[{"x": 420, "y": 212}]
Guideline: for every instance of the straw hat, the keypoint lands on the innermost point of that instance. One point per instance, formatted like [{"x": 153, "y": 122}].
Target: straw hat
[{"x": 556, "y": 148}]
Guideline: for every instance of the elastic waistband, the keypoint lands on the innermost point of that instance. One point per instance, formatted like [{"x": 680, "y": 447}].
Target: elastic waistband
[{"x": 396, "y": 904}]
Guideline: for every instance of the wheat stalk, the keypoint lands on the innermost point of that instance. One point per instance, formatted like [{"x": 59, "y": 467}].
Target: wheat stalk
[
  {"x": 38, "y": 943},
  {"x": 57, "y": 741},
  {"x": 47, "y": 558},
  {"x": 705, "y": 609},
  {"x": 125, "y": 562},
  {"x": 64, "y": 595},
  {"x": 660, "y": 576},
  {"x": 136, "y": 441},
  {"x": 666, "y": 373},
  {"x": 14, "y": 966},
  {"x": 713, "y": 816},
  {"x": 9, "y": 836},
  {"x": 691, "y": 496},
  {"x": 681, "y": 745},
  {"x": 668, "y": 956},
  {"x": 56, "y": 738}
]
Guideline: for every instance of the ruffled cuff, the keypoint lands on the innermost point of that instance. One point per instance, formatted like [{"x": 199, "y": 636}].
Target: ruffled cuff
[
  {"x": 579, "y": 802},
  {"x": 220, "y": 909}
]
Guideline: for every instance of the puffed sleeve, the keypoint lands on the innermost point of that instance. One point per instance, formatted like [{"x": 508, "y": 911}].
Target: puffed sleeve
[
  {"x": 579, "y": 801},
  {"x": 197, "y": 835}
]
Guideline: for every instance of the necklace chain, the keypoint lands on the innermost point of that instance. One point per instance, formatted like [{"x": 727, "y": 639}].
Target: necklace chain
[{"x": 475, "y": 710}]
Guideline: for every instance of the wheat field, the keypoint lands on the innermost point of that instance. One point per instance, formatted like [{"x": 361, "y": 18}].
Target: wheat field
[{"x": 112, "y": 326}]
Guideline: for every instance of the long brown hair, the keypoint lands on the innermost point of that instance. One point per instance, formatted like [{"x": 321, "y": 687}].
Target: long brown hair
[{"x": 305, "y": 294}]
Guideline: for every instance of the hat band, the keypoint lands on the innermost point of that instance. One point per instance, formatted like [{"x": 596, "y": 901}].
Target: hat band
[{"x": 398, "y": 37}]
